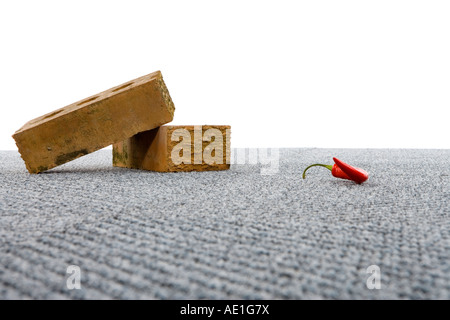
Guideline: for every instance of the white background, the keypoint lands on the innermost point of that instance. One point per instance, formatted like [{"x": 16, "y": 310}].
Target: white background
[{"x": 368, "y": 74}]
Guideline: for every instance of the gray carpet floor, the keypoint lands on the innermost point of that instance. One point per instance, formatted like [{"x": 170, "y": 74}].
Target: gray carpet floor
[{"x": 233, "y": 234}]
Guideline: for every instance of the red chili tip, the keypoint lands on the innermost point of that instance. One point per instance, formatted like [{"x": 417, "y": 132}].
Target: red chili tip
[{"x": 355, "y": 174}]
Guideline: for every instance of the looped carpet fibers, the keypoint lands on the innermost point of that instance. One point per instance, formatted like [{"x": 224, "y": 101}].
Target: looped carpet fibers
[{"x": 232, "y": 234}]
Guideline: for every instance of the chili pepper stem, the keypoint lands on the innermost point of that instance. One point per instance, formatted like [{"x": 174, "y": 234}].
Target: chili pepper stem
[{"x": 329, "y": 167}]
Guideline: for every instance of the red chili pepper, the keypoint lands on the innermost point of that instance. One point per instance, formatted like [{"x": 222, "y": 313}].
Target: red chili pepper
[
  {"x": 356, "y": 174},
  {"x": 343, "y": 171}
]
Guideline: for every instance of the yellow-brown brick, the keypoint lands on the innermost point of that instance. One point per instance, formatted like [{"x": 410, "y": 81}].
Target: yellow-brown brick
[
  {"x": 94, "y": 123},
  {"x": 152, "y": 150}
]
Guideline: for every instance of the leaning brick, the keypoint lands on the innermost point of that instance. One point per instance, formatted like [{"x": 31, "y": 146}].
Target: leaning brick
[{"x": 94, "y": 123}]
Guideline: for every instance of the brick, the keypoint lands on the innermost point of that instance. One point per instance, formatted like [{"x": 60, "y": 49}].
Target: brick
[
  {"x": 94, "y": 123},
  {"x": 176, "y": 148}
]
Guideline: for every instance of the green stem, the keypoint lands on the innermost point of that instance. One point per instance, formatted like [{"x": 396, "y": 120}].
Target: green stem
[{"x": 329, "y": 167}]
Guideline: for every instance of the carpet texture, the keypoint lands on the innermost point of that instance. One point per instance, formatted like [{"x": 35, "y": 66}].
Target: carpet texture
[{"x": 232, "y": 234}]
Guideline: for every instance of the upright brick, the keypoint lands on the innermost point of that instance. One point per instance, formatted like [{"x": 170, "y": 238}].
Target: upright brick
[
  {"x": 94, "y": 123},
  {"x": 176, "y": 148}
]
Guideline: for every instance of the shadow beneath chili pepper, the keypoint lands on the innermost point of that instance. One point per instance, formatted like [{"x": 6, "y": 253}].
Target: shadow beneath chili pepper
[{"x": 348, "y": 183}]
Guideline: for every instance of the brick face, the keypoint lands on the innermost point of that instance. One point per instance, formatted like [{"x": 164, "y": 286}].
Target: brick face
[
  {"x": 94, "y": 123},
  {"x": 176, "y": 148}
]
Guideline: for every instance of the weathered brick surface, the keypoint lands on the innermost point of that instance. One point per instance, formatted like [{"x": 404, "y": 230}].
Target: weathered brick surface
[
  {"x": 176, "y": 148},
  {"x": 94, "y": 123}
]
